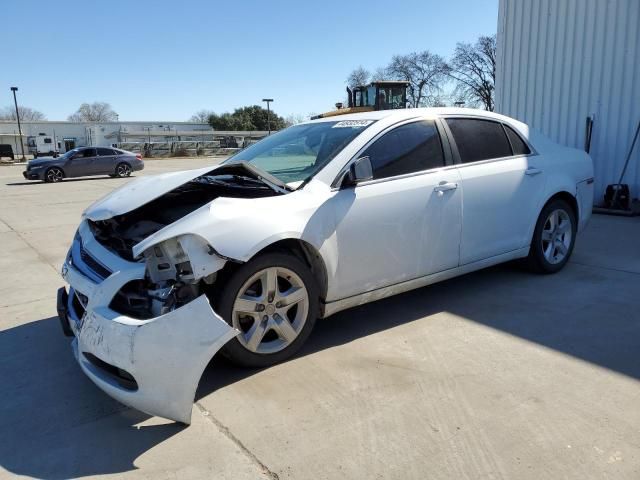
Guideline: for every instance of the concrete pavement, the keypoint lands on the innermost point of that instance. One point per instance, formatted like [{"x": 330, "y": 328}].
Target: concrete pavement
[{"x": 498, "y": 374}]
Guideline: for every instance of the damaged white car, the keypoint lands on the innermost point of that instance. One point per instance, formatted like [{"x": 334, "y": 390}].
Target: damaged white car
[{"x": 329, "y": 214}]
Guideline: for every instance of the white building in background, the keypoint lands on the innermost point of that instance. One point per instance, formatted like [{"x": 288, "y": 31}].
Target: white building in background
[
  {"x": 68, "y": 135},
  {"x": 562, "y": 61}
]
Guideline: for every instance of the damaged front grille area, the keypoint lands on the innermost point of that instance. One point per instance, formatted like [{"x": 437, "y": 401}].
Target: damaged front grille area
[
  {"x": 93, "y": 264},
  {"x": 79, "y": 304},
  {"x": 83, "y": 261}
]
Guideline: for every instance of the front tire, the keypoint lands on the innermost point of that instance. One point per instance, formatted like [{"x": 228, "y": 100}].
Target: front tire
[
  {"x": 53, "y": 175},
  {"x": 553, "y": 238},
  {"x": 273, "y": 301}
]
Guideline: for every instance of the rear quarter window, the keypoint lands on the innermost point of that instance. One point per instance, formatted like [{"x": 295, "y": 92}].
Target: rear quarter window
[{"x": 518, "y": 145}]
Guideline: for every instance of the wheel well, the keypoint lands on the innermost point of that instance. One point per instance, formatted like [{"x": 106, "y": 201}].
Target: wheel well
[
  {"x": 304, "y": 251},
  {"x": 570, "y": 199}
]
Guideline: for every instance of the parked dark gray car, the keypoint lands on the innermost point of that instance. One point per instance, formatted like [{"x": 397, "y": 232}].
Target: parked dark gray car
[{"x": 84, "y": 161}]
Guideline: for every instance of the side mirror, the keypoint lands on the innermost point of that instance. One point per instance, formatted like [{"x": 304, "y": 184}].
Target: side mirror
[{"x": 359, "y": 171}]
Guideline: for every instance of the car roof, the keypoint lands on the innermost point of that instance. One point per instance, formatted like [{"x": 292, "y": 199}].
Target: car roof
[{"x": 405, "y": 113}]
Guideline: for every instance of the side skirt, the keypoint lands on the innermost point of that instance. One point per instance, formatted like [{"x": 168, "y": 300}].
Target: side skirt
[{"x": 384, "y": 292}]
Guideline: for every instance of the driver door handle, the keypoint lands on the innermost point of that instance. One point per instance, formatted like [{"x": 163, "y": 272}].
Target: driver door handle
[
  {"x": 443, "y": 187},
  {"x": 532, "y": 171}
]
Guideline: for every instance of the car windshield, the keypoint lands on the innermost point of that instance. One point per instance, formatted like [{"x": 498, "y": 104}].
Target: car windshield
[{"x": 297, "y": 153}]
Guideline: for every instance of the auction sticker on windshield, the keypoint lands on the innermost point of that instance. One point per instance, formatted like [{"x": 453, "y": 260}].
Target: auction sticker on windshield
[{"x": 352, "y": 123}]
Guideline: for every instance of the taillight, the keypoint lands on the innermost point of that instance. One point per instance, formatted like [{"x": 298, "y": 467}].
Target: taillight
[{"x": 138, "y": 156}]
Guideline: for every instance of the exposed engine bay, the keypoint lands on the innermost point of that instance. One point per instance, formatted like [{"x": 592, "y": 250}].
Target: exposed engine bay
[
  {"x": 170, "y": 279},
  {"x": 119, "y": 234}
]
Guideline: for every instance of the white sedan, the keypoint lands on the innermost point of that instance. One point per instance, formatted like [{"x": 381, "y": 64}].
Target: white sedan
[{"x": 325, "y": 215}]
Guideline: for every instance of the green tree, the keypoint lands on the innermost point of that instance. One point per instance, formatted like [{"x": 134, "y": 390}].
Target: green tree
[{"x": 253, "y": 117}]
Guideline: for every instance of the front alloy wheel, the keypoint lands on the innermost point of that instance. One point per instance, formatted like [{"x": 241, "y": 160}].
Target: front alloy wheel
[
  {"x": 270, "y": 310},
  {"x": 272, "y": 301},
  {"x": 53, "y": 175}
]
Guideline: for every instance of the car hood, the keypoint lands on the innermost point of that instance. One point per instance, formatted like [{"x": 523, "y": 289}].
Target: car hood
[
  {"x": 138, "y": 192},
  {"x": 36, "y": 162}
]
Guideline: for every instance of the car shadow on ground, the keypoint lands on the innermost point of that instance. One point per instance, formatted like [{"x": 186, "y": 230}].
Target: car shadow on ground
[
  {"x": 56, "y": 424},
  {"x": 80, "y": 431},
  {"x": 578, "y": 312},
  {"x": 82, "y": 179}
]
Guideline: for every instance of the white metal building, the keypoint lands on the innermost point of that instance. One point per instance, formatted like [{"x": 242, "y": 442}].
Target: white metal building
[
  {"x": 69, "y": 135},
  {"x": 561, "y": 61}
]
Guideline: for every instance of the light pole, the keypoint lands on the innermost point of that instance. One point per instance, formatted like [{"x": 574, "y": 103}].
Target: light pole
[
  {"x": 268, "y": 100},
  {"x": 15, "y": 101}
]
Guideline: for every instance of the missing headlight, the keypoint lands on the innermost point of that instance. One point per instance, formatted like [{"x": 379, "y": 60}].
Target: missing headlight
[{"x": 142, "y": 300}]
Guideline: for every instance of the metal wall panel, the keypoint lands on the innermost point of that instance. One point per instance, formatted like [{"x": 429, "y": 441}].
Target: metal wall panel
[{"x": 559, "y": 61}]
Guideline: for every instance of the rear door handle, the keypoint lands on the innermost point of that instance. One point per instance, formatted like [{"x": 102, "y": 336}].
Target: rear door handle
[
  {"x": 532, "y": 171},
  {"x": 443, "y": 187}
]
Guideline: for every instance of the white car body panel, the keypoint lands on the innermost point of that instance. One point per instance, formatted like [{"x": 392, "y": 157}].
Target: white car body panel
[
  {"x": 376, "y": 239},
  {"x": 394, "y": 219},
  {"x": 501, "y": 201}
]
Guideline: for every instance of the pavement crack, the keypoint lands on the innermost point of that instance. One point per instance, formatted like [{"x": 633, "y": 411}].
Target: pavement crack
[
  {"x": 614, "y": 269},
  {"x": 227, "y": 433},
  {"x": 37, "y": 252}
]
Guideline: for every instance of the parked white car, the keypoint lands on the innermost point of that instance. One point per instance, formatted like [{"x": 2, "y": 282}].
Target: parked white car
[{"x": 323, "y": 216}]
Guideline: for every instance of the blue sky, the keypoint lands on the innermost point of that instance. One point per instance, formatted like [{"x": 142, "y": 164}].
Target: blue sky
[{"x": 166, "y": 60}]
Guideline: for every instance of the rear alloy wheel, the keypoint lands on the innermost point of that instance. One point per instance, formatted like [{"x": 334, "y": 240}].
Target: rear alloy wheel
[
  {"x": 273, "y": 302},
  {"x": 53, "y": 175},
  {"x": 123, "y": 170},
  {"x": 553, "y": 238}
]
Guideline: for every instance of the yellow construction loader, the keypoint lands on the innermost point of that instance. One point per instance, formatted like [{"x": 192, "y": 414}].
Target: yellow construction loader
[{"x": 382, "y": 95}]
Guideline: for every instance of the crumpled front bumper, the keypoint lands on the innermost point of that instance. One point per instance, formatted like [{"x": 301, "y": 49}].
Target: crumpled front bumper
[{"x": 153, "y": 365}]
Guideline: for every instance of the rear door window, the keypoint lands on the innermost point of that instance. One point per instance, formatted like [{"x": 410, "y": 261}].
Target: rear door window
[
  {"x": 105, "y": 152},
  {"x": 409, "y": 148},
  {"x": 478, "y": 139}
]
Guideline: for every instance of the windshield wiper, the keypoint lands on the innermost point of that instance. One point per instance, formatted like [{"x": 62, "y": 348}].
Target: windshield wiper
[{"x": 272, "y": 182}]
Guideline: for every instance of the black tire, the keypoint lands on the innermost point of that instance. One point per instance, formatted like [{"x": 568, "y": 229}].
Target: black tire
[
  {"x": 53, "y": 175},
  {"x": 230, "y": 285},
  {"x": 123, "y": 169},
  {"x": 537, "y": 261}
]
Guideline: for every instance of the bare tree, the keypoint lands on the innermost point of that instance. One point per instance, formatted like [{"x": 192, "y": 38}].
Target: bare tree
[
  {"x": 359, "y": 76},
  {"x": 379, "y": 75},
  {"x": 201, "y": 116},
  {"x": 426, "y": 73},
  {"x": 94, "y": 112},
  {"x": 26, "y": 114},
  {"x": 473, "y": 68},
  {"x": 294, "y": 119}
]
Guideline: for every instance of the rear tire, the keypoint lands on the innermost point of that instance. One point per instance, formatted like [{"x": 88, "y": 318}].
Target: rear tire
[
  {"x": 553, "y": 238},
  {"x": 123, "y": 170},
  {"x": 275, "y": 317}
]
